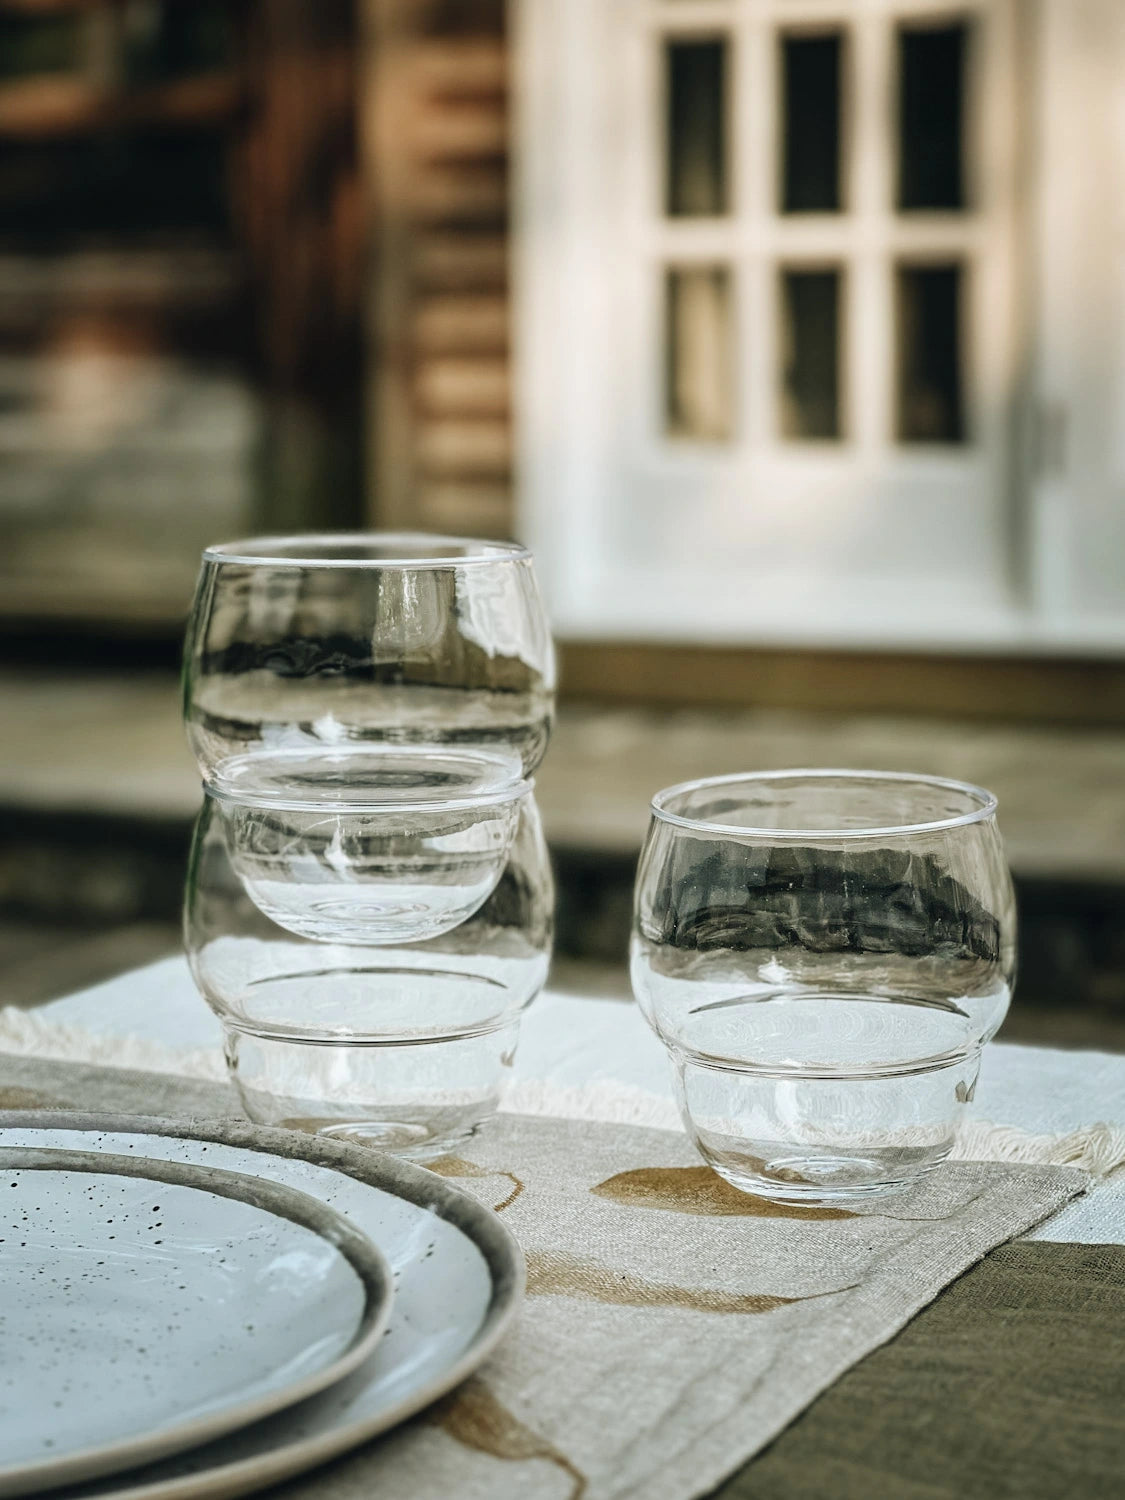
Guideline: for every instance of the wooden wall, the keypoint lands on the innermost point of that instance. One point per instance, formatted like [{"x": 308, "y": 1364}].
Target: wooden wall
[
  {"x": 130, "y": 416},
  {"x": 436, "y": 141},
  {"x": 300, "y": 214},
  {"x": 183, "y": 274}
]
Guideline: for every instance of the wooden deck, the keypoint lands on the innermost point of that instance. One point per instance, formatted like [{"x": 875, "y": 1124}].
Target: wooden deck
[{"x": 112, "y": 745}]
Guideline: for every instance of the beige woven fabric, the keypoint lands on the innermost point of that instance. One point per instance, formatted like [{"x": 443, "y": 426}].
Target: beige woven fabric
[{"x": 672, "y": 1327}]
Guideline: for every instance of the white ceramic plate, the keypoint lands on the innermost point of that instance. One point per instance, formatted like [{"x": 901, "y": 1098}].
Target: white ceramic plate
[
  {"x": 151, "y": 1306},
  {"x": 458, "y": 1277}
]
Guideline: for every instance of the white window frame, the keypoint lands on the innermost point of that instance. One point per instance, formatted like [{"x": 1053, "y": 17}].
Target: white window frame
[{"x": 643, "y": 536}]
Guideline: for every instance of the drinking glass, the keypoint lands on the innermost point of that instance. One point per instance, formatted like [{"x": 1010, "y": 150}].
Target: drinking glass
[
  {"x": 824, "y": 954},
  {"x": 369, "y": 929},
  {"x": 337, "y": 641}
]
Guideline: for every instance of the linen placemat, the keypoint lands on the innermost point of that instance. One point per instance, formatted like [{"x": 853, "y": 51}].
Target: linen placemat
[
  {"x": 587, "y": 1058},
  {"x": 673, "y": 1326}
]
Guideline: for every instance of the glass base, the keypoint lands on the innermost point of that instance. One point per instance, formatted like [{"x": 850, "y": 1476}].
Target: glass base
[
  {"x": 799, "y": 1139},
  {"x": 815, "y": 1177},
  {"x": 413, "y": 1099}
]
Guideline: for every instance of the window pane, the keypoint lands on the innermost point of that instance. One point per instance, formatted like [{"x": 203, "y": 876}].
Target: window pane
[
  {"x": 696, "y": 147},
  {"x": 931, "y": 115},
  {"x": 46, "y": 43},
  {"x": 930, "y": 382},
  {"x": 811, "y": 104},
  {"x": 698, "y": 399},
  {"x": 169, "y": 41},
  {"x": 810, "y": 405},
  {"x": 105, "y": 186}
]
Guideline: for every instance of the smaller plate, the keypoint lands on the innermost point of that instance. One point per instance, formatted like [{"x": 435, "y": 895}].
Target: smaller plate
[{"x": 150, "y": 1306}]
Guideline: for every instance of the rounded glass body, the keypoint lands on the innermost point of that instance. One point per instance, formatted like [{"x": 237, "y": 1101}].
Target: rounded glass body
[
  {"x": 380, "y": 638},
  {"x": 824, "y": 953},
  {"x": 370, "y": 960},
  {"x": 369, "y": 847}
]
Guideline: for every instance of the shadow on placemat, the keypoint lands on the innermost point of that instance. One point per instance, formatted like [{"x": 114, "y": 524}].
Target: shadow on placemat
[{"x": 1010, "y": 1384}]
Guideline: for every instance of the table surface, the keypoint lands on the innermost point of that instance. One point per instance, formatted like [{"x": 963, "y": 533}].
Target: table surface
[
  {"x": 571, "y": 1042},
  {"x": 1008, "y": 1383}
]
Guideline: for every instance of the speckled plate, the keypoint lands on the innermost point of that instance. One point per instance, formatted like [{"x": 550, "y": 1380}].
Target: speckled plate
[
  {"x": 458, "y": 1276},
  {"x": 149, "y": 1306}
]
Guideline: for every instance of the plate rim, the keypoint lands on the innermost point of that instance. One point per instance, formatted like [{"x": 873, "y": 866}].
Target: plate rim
[
  {"x": 275, "y": 1199},
  {"x": 496, "y": 1243}
]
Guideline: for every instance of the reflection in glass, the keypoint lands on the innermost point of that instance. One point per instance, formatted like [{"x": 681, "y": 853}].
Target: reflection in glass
[
  {"x": 811, "y": 69},
  {"x": 930, "y": 394},
  {"x": 810, "y": 406},
  {"x": 931, "y": 116},
  {"x": 696, "y": 147},
  {"x": 698, "y": 396}
]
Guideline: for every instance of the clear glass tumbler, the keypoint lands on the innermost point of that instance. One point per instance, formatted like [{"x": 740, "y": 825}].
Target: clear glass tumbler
[
  {"x": 322, "y": 642},
  {"x": 824, "y": 954},
  {"x": 369, "y": 929}
]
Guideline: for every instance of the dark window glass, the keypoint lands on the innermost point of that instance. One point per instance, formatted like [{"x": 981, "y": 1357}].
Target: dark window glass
[
  {"x": 698, "y": 387},
  {"x": 106, "y": 186},
  {"x": 931, "y": 116},
  {"x": 696, "y": 143},
  {"x": 930, "y": 380},
  {"x": 33, "y": 44},
  {"x": 811, "y": 71},
  {"x": 172, "y": 39},
  {"x": 811, "y": 354}
]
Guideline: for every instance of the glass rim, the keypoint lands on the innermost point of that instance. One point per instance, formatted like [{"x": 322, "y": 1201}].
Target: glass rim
[
  {"x": 986, "y": 806},
  {"x": 255, "y": 551},
  {"x": 500, "y": 794}
]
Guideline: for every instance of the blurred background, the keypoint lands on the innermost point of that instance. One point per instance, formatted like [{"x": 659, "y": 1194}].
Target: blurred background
[{"x": 790, "y": 333}]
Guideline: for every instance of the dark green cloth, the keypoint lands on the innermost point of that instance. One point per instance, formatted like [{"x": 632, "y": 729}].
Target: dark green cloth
[{"x": 1010, "y": 1384}]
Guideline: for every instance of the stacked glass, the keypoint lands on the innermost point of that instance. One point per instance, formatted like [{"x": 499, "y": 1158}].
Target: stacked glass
[{"x": 369, "y": 900}]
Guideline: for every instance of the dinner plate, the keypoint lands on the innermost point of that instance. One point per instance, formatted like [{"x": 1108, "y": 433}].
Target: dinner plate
[
  {"x": 150, "y": 1306},
  {"x": 458, "y": 1276}
]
